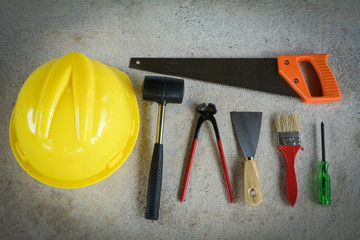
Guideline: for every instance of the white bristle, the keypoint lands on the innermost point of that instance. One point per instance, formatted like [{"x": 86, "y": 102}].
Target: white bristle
[{"x": 287, "y": 123}]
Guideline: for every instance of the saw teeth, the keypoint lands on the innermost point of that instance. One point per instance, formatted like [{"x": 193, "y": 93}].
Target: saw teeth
[
  {"x": 230, "y": 86},
  {"x": 246, "y": 89},
  {"x": 135, "y": 66}
]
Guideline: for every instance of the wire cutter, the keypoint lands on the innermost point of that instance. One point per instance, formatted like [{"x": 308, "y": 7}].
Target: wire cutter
[{"x": 207, "y": 113}]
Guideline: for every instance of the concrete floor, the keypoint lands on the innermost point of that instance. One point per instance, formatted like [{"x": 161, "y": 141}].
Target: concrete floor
[{"x": 35, "y": 32}]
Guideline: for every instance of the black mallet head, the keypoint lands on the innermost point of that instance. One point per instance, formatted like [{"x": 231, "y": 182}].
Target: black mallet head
[{"x": 163, "y": 89}]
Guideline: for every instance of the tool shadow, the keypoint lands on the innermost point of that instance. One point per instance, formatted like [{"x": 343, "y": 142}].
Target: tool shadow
[
  {"x": 314, "y": 170},
  {"x": 145, "y": 150},
  {"x": 280, "y": 157},
  {"x": 238, "y": 172},
  {"x": 188, "y": 152}
]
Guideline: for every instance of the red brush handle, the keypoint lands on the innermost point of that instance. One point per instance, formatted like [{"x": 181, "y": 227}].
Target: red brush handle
[
  {"x": 188, "y": 170},
  {"x": 289, "y": 152},
  {"x": 226, "y": 175}
]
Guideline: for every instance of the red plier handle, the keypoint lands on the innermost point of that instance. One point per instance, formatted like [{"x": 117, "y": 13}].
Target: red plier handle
[{"x": 207, "y": 115}]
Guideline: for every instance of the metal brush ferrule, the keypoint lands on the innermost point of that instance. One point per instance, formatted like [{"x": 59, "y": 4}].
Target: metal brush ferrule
[{"x": 289, "y": 138}]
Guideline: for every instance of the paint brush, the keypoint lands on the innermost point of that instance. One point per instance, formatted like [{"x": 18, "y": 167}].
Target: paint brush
[{"x": 288, "y": 128}]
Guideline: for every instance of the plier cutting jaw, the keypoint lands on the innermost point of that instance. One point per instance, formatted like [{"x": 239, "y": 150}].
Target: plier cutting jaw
[{"x": 207, "y": 113}]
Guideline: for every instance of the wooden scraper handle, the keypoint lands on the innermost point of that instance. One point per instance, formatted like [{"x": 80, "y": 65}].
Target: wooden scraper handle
[{"x": 252, "y": 189}]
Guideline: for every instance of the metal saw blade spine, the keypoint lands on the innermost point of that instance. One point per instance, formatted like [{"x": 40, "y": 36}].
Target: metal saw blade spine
[
  {"x": 254, "y": 74},
  {"x": 219, "y": 84}
]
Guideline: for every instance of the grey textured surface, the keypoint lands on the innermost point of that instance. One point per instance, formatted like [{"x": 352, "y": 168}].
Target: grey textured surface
[{"x": 34, "y": 32}]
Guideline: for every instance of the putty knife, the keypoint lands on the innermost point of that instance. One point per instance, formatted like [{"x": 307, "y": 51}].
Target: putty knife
[{"x": 247, "y": 128}]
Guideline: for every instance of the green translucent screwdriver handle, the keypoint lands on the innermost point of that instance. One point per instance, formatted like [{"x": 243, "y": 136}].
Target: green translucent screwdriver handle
[{"x": 324, "y": 184}]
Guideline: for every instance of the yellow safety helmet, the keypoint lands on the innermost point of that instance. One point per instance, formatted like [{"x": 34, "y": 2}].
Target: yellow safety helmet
[{"x": 75, "y": 121}]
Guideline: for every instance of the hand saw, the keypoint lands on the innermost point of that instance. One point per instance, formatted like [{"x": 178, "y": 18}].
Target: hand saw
[{"x": 281, "y": 75}]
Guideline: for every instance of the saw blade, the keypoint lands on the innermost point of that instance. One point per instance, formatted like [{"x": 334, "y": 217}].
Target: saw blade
[{"x": 252, "y": 73}]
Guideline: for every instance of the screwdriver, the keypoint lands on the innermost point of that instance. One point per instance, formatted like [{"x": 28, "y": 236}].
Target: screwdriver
[{"x": 324, "y": 177}]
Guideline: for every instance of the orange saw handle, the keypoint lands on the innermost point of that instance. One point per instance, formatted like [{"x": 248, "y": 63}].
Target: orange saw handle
[{"x": 289, "y": 69}]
